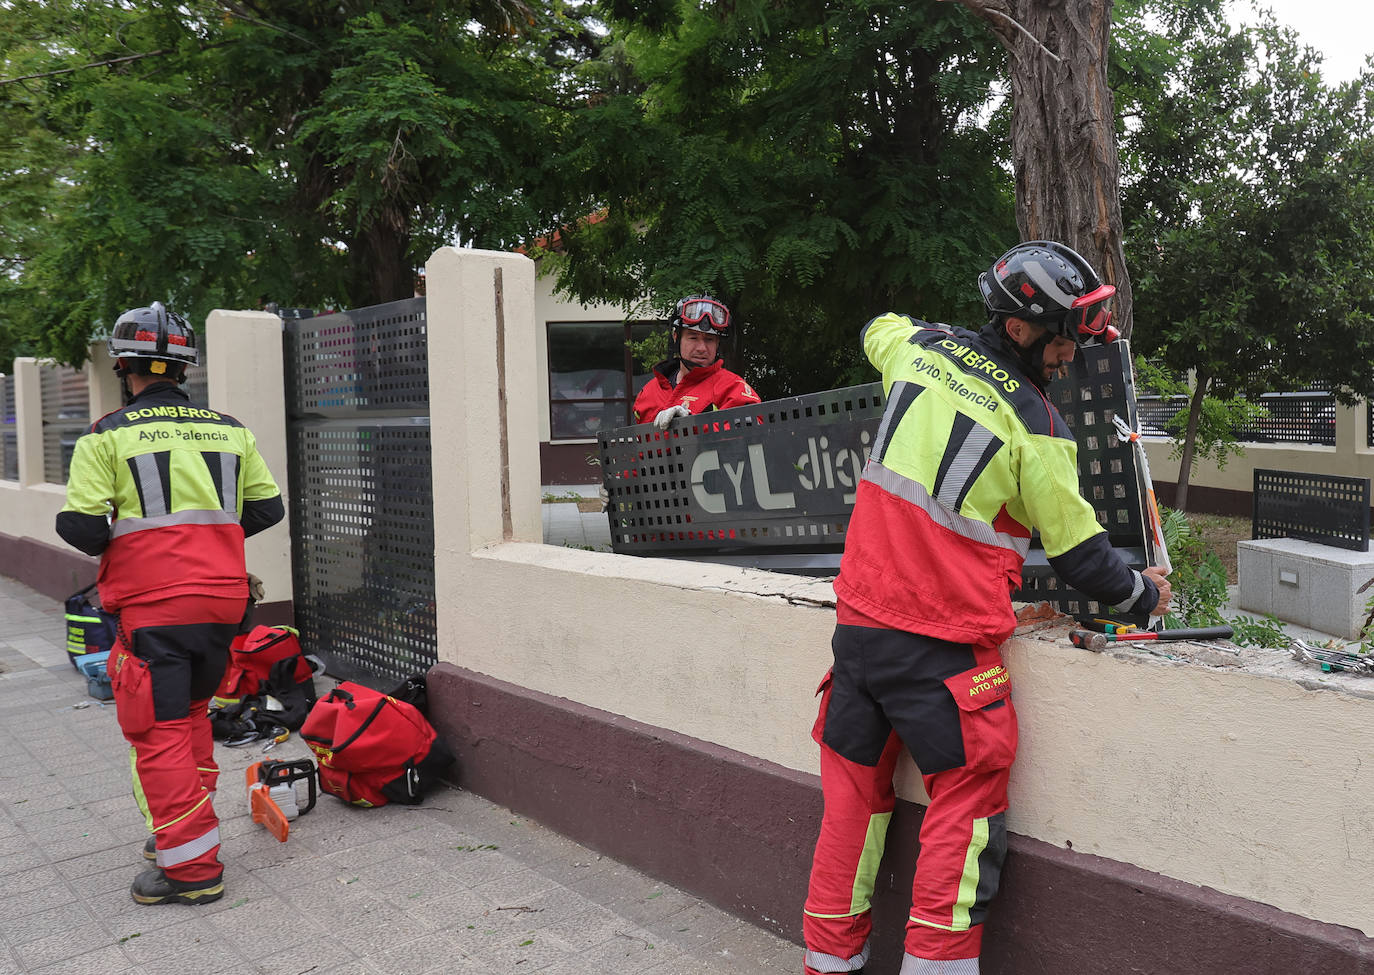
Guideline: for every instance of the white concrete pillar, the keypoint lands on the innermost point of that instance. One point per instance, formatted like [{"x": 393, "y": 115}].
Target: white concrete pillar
[
  {"x": 246, "y": 379},
  {"x": 482, "y": 354},
  {"x": 1349, "y": 429},
  {"x": 103, "y": 386},
  {"x": 28, "y": 420}
]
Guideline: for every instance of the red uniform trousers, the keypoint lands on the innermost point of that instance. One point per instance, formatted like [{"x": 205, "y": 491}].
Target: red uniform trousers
[
  {"x": 950, "y": 705},
  {"x": 170, "y": 658}
]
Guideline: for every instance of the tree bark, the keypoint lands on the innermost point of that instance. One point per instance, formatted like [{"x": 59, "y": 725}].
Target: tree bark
[
  {"x": 378, "y": 258},
  {"x": 1185, "y": 461},
  {"x": 1063, "y": 130}
]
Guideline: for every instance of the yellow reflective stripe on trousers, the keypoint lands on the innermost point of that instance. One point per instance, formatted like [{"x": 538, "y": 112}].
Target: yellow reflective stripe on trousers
[
  {"x": 867, "y": 872},
  {"x": 139, "y": 797},
  {"x": 143, "y": 799},
  {"x": 968, "y": 885}
]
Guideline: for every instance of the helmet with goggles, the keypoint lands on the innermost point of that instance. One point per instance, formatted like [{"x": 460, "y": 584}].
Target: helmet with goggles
[
  {"x": 702, "y": 313},
  {"x": 155, "y": 340},
  {"x": 1050, "y": 285}
]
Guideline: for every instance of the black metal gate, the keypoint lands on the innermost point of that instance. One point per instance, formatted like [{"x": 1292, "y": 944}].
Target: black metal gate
[{"x": 362, "y": 509}]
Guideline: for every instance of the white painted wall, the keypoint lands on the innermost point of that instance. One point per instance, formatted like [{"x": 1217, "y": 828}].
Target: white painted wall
[{"x": 1247, "y": 783}]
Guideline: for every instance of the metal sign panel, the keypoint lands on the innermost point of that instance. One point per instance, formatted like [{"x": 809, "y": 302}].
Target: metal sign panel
[
  {"x": 772, "y": 486},
  {"x": 755, "y": 481}
]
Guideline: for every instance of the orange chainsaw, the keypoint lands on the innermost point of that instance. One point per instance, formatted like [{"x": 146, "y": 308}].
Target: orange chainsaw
[{"x": 272, "y": 793}]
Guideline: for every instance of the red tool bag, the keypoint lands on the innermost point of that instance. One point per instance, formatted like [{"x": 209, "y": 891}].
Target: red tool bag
[
  {"x": 373, "y": 748},
  {"x": 267, "y": 661}
]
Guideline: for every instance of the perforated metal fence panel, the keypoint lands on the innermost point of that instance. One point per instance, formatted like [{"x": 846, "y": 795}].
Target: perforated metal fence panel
[
  {"x": 1098, "y": 387},
  {"x": 772, "y": 486},
  {"x": 66, "y": 416},
  {"x": 1321, "y": 508},
  {"x": 9, "y": 440},
  {"x": 1306, "y": 416},
  {"x": 362, "y": 510}
]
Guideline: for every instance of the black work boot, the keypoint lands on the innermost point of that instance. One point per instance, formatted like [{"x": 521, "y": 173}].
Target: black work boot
[
  {"x": 150, "y": 848},
  {"x": 155, "y": 887}
]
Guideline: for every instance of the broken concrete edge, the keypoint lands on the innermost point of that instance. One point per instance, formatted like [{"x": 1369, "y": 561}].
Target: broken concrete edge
[
  {"x": 738, "y": 831},
  {"x": 1053, "y": 627}
]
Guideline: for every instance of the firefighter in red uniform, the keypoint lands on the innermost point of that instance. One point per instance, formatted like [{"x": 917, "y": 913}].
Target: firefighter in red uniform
[
  {"x": 969, "y": 457},
  {"x": 165, "y": 491},
  {"x": 693, "y": 379}
]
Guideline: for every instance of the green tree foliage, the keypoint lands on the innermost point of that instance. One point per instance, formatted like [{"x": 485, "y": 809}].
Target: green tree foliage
[
  {"x": 1250, "y": 203},
  {"x": 301, "y": 151},
  {"x": 812, "y": 164}
]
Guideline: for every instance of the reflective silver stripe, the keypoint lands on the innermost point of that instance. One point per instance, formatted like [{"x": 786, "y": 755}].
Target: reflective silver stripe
[
  {"x": 1135, "y": 593},
  {"x": 819, "y": 961},
  {"x": 188, "y": 851},
  {"x": 150, "y": 483},
  {"x": 894, "y": 396},
  {"x": 915, "y": 492},
  {"x": 965, "y": 463},
  {"x": 911, "y": 965},
  {"x": 195, "y": 517},
  {"x": 229, "y": 482}
]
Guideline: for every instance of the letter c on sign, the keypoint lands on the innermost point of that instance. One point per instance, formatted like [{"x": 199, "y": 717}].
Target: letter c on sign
[{"x": 712, "y": 501}]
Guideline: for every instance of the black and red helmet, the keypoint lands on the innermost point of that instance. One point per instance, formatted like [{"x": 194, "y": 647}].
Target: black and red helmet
[
  {"x": 1051, "y": 285},
  {"x": 702, "y": 313},
  {"x": 153, "y": 333}
]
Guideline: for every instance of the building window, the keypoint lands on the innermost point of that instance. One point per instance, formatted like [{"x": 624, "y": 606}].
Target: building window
[{"x": 592, "y": 383}]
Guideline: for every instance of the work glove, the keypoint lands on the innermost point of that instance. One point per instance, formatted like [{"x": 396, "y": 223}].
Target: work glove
[
  {"x": 255, "y": 590},
  {"x": 667, "y": 416},
  {"x": 604, "y": 495}
]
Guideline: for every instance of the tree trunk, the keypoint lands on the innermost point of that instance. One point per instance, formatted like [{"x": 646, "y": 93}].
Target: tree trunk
[
  {"x": 378, "y": 259},
  {"x": 1185, "y": 461},
  {"x": 1063, "y": 130}
]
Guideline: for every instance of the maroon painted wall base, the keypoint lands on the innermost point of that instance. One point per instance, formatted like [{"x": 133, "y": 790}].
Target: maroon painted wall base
[
  {"x": 738, "y": 832},
  {"x": 55, "y": 572}
]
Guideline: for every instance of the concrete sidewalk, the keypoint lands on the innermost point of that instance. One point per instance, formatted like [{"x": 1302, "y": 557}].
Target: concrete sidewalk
[{"x": 456, "y": 885}]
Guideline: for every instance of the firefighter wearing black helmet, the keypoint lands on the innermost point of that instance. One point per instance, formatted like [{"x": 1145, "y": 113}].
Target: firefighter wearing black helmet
[
  {"x": 970, "y": 457},
  {"x": 165, "y": 490},
  {"x": 693, "y": 379}
]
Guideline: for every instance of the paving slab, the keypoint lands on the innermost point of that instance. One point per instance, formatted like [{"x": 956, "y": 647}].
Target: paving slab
[{"x": 457, "y": 885}]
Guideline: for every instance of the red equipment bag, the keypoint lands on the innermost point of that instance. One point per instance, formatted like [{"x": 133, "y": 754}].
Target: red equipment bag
[
  {"x": 373, "y": 748},
  {"x": 266, "y": 661}
]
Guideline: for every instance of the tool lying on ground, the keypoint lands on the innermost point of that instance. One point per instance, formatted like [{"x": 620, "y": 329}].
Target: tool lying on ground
[
  {"x": 1098, "y": 641},
  {"x": 1329, "y": 660},
  {"x": 272, "y": 793}
]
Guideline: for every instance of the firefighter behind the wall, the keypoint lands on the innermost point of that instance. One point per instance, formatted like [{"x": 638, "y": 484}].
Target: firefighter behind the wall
[
  {"x": 693, "y": 379},
  {"x": 969, "y": 458},
  {"x": 165, "y": 491}
]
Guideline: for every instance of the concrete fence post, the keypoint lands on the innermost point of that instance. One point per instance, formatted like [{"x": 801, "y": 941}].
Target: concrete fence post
[
  {"x": 28, "y": 420},
  {"x": 484, "y": 425},
  {"x": 246, "y": 379},
  {"x": 103, "y": 386}
]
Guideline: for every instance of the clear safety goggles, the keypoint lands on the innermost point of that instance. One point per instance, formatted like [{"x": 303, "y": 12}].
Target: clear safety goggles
[
  {"x": 698, "y": 310},
  {"x": 1090, "y": 314}
]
